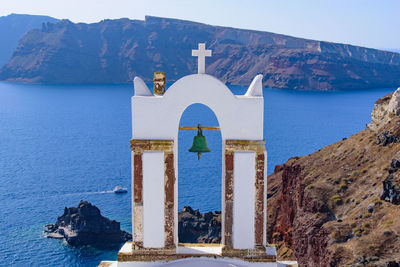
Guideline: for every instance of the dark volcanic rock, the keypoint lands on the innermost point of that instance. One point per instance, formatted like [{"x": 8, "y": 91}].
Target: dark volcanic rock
[
  {"x": 84, "y": 225},
  {"x": 392, "y": 264},
  {"x": 386, "y": 138},
  {"x": 196, "y": 227},
  {"x": 391, "y": 185},
  {"x": 395, "y": 164},
  {"x": 115, "y": 51}
]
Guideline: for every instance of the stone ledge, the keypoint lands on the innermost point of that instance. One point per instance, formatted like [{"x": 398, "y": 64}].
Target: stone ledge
[
  {"x": 257, "y": 146},
  {"x": 203, "y": 261},
  {"x": 139, "y": 145},
  {"x": 127, "y": 254},
  {"x": 166, "y": 257}
]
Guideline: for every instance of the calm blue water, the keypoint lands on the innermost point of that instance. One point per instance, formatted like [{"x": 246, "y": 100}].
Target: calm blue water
[{"x": 63, "y": 144}]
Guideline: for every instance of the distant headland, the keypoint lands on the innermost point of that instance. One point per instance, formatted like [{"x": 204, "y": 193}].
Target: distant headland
[{"x": 115, "y": 51}]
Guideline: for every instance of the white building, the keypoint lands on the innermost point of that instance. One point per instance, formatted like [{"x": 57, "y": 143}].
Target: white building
[{"x": 155, "y": 177}]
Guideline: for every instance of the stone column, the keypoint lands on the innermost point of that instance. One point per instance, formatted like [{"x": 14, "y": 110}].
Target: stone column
[
  {"x": 228, "y": 209},
  {"x": 259, "y": 201},
  {"x": 138, "y": 197},
  {"x": 138, "y": 147},
  {"x": 258, "y": 146},
  {"x": 169, "y": 185}
]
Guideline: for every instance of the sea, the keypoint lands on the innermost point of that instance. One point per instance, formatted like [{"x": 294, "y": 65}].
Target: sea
[{"x": 60, "y": 144}]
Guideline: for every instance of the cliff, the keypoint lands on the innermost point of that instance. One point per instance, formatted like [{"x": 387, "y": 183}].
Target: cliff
[
  {"x": 13, "y": 27},
  {"x": 115, "y": 51},
  {"x": 340, "y": 205}
]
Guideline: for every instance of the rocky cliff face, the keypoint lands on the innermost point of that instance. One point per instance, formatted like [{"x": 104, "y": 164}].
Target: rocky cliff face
[
  {"x": 340, "y": 205},
  {"x": 115, "y": 51},
  {"x": 13, "y": 27}
]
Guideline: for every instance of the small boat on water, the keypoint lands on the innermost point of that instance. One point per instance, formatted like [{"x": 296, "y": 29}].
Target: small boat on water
[{"x": 119, "y": 190}]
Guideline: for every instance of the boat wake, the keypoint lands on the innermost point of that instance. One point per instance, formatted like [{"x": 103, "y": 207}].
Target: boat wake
[{"x": 90, "y": 193}]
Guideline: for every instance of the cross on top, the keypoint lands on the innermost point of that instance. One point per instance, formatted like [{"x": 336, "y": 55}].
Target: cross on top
[{"x": 201, "y": 55}]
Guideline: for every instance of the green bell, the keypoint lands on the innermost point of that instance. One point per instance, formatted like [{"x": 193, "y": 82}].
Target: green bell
[{"x": 199, "y": 143}]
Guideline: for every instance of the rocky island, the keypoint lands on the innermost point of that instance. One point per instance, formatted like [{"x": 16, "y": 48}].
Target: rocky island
[
  {"x": 84, "y": 225},
  {"x": 339, "y": 206}
]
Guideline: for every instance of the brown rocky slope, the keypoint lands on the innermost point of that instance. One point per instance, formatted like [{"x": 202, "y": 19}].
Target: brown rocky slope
[
  {"x": 115, "y": 51},
  {"x": 340, "y": 205}
]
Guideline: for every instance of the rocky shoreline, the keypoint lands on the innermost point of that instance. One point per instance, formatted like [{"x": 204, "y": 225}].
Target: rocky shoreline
[
  {"x": 84, "y": 225},
  {"x": 197, "y": 227}
]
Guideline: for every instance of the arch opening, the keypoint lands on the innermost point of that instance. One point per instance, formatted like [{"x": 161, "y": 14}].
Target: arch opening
[{"x": 199, "y": 181}]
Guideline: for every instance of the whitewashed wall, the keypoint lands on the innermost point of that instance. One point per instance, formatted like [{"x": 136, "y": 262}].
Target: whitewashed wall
[
  {"x": 244, "y": 173},
  {"x": 153, "y": 199}
]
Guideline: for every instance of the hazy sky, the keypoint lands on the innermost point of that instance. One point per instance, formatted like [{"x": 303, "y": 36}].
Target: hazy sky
[{"x": 371, "y": 23}]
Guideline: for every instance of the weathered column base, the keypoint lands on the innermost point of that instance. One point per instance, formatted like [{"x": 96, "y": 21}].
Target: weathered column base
[
  {"x": 134, "y": 251},
  {"x": 137, "y": 246},
  {"x": 259, "y": 254}
]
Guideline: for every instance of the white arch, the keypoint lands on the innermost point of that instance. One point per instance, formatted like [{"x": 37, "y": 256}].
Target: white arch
[{"x": 240, "y": 117}]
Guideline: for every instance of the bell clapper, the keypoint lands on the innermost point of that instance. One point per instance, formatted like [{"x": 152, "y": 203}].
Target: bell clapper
[{"x": 199, "y": 132}]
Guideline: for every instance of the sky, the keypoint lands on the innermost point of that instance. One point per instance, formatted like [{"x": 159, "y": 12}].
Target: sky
[{"x": 369, "y": 23}]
